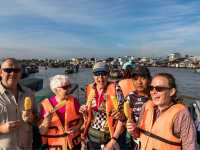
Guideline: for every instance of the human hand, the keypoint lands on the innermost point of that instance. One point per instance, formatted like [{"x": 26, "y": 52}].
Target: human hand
[
  {"x": 9, "y": 126},
  {"x": 27, "y": 116},
  {"x": 116, "y": 114},
  {"x": 72, "y": 130},
  {"x": 47, "y": 120},
  {"x": 131, "y": 127},
  {"x": 112, "y": 145},
  {"x": 83, "y": 145},
  {"x": 83, "y": 109}
]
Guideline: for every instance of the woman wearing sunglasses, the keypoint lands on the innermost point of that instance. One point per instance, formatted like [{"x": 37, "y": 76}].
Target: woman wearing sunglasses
[
  {"x": 164, "y": 122},
  {"x": 100, "y": 126},
  {"x": 61, "y": 120}
]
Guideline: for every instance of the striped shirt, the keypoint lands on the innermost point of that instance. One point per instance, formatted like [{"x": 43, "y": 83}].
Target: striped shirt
[{"x": 11, "y": 110}]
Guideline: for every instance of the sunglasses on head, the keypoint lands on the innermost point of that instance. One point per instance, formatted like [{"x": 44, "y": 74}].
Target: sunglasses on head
[
  {"x": 159, "y": 88},
  {"x": 100, "y": 73},
  {"x": 66, "y": 87},
  {"x": 10, "y": 70}
]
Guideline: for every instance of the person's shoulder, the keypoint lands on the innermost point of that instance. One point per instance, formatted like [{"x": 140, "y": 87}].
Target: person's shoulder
[
  {"x": 2, "y": 89},
  {"x": 25, "y": 89},
  {"x": 111, "y": 85},
  {"x": 124, "y": 80}
]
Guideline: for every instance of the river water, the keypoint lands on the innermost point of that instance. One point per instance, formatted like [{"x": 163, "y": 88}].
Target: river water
[{"x": 187, "y": 80}]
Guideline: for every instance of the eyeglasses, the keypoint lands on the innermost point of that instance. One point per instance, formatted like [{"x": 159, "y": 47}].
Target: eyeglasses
[
  {"x": 66, "y": 87},
  {"x": 10, "y": 70},
  {"x": 100, "y": 73},
  {"x": 159, "y": 88}
]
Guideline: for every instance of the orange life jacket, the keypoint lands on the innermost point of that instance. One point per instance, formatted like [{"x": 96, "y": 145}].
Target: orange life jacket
[
  {"x": 57, "y": 135},
  {"x": 127, "y": 86},
  {"x": 162, "y": 127},
  {"x": 109, "y": 96}
]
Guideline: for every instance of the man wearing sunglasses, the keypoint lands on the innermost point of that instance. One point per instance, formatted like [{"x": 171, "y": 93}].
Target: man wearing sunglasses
[
  {"x": 15, "y": 130},
  {"x": 100, "y": 126},
  {"x": 164, "y": 122}
]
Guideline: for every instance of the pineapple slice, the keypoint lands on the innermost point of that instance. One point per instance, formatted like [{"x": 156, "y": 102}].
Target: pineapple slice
[
  {"x": 27, "y": 104},
  {"x": 127, "y": 111}
]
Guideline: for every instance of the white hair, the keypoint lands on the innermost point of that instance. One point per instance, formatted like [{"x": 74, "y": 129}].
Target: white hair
[{"x": 58, "y": 81}]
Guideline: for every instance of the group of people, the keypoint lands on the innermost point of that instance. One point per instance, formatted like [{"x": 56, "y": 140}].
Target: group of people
[{"x": 139, "y": 112}]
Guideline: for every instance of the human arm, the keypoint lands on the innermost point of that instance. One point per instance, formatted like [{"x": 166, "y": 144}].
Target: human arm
[
  {"x": 113, "y": 141},
  {"x": 45, "y": 120},
  {"x": 132, "y": 127},
  {"x": 87, "y": 123},
  {"x": 184, "y": 128}
]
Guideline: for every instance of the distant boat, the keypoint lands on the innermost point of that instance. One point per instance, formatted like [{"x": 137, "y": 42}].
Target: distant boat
[
  {"x": 71, "y": 69},
  {"x": 33, "y": 68},
  {"x": 197, "y": 70}
]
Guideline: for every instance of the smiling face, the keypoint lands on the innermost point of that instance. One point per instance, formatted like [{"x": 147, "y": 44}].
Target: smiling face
[
  {"x": 101, "y": 80},
  {"x": 63, "y": 91},
  {"x": 10, "y": 73},
  {"x": 161, "y": 98}
]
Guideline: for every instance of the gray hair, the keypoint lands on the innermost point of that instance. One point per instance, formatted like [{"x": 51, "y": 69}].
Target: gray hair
[
  {"x": 13, "y": 60},
  {"x": 58, "y": 81}
]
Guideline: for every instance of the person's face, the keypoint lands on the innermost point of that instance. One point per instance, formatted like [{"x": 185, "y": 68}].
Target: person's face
[
  {"x": 63, "y": 91},
  {"x": 161, "y": 92},
  {"x": 10, "y": 74},
  {"x": 140, "y": 83},
  {"x": 101, "y": 79}
]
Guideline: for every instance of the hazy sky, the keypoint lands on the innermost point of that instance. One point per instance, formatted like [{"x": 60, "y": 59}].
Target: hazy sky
[{"x": 68, "y": 28}]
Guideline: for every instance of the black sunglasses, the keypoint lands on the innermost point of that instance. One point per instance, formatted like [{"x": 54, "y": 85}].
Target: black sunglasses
[
  {"x": 100, "y": 73},
  {"x": 10, "y": 70},
  {"x": 66, "y": 87},
  {"x": 158, "y": 88}
]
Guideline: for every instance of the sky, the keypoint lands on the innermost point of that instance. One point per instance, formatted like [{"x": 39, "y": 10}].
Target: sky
[{"x": 98, "y": 28}]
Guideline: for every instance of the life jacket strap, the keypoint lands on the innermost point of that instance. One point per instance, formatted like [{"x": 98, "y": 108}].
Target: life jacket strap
[
  {"x": 55, "y": 136},
  {"x": 147, "y": 133}
]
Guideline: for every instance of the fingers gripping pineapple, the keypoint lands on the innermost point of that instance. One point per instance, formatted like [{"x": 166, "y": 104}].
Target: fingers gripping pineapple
[
  {"x": 91, "y": 102},
  {"x": 91, "y": 97},
  {"x": 128, "y": 111},
  {"x": 115, "y": 102}
]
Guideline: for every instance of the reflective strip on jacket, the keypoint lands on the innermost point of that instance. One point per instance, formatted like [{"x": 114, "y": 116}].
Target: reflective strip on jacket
[
  {"x": 57, "y": 135},
  {"x": 162, "y": 127}
]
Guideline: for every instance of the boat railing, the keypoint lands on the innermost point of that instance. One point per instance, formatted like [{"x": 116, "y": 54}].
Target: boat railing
[{"x": 193, "y": 104}]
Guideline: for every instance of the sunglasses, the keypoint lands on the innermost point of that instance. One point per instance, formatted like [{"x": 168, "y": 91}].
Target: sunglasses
[
  {"x": 158, "y": 88},
  {"x": 100, "y": 73},
  {"x": 10, "y": 70},
  {"x": 66, "y": 87}
]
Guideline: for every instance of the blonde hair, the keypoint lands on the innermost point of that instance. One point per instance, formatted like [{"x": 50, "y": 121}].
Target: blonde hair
[{"x": 58, "y": 81}]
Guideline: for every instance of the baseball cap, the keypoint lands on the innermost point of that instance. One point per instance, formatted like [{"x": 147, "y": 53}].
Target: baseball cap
[{"x": 100, "y": 67}]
